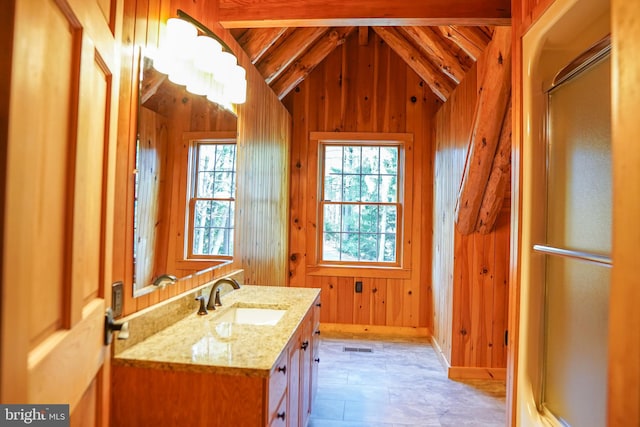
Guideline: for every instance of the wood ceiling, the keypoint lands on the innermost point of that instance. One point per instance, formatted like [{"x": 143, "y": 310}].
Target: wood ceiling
[
  {"x": 440, "y": 55},
  {"x": 439, "y": 39}
]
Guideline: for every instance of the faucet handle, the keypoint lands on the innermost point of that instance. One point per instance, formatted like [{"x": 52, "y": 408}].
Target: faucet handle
[
  {"x": 203, "y": 309},
  {"x": 217, "y": 298}
]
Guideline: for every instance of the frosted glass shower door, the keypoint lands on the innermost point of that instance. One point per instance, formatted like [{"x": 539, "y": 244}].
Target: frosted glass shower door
[{"x": 577, "y": 247}]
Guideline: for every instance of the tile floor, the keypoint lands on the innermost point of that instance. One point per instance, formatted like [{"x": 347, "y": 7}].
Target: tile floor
[{"x": 400, "y": 383}]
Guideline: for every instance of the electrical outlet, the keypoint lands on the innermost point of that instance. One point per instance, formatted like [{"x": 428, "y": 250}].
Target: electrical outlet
[
  {"x": 117, "y": 295},
  {"x": 358, "y": 287}
]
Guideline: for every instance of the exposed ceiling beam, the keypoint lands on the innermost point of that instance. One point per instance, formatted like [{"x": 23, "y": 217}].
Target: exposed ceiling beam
[
  {"x": 256, "y": 41},
  {"x": 446, "y": 55},
  {"x": 439, "y": 82},
  {"x": 302, "y": 67},
  {"x": 491, "y": 106},
  {"x": 278, "y": 59},
  {"x": 336, "y": 13},
  {"x": 470, "y": 39}
]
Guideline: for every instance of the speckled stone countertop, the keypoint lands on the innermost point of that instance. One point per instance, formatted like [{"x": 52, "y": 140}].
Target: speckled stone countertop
[{"x": 203, "y": 344}]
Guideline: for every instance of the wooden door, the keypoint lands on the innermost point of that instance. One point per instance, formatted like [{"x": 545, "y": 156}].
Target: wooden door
[{"x": 58, "y": 203}]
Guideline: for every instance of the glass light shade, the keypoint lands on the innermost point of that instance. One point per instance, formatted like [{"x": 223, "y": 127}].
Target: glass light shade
[
  {"x": 236, "y": 91},
  {"x": 225, "y": 62},
  {"x": 180, "y": 32},
  {"x": 181, "y": 72},
  {"x": 205, "y": 52},
  {"x": 199, "y": 82},
  {"x": 216, "y": 92},
  {"x": 162, "y": 62}
]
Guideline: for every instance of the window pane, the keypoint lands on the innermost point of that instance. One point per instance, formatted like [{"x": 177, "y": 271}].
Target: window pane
[
  {"x": 332, "y": 218},
  {"x": 388, "y": 219},
  {"x": 350, "y": 218},
  {"x": 352, "y": 159},
  {"x": 202, "y": 213},
  {"x": 370, "y": 160},
  {"x": 331, "y": 247},
  {"x": 389, "y": 244},
  {"x": 350, "y": 243},
  {"x": 206, "y": 157},
  {"x": 225, "y": 157},
  {"x": 370, "y": 188},
  {"x": 205, "y": 184},
  {"x": 223, "y": 186},
  {"x": 369, "y": 218},
  {"x": 332, "y": 160},
  {"x": 369, "y": 247},
  {"x": 333, "y": 188},
  {"x": 388, "y": 188},
  {"x": 351, "y": 191},
  {"x": 389, "y": 160}
]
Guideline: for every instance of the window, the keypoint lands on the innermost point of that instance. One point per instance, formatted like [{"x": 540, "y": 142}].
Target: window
[
  {"x": 361, "y": 221},
  {"x": 360, "y": 205},
  {"x": 212, "y": 199}
]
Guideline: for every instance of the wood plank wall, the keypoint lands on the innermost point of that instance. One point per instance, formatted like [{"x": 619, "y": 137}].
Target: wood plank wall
[
  {"x": 469, "y": 272},
  {"x": 365, "y": 88},
  {"x": 263, "y": 131}
]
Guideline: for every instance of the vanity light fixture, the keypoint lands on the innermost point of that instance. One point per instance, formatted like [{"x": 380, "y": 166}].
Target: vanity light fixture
[{"x": 193, "y": 56}]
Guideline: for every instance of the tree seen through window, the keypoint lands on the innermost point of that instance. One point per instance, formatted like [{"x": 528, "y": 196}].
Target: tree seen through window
[{"x": 360, "y": 203}]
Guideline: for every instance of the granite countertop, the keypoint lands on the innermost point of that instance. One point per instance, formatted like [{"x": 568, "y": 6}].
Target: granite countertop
[{"x": 205, "y": 344}]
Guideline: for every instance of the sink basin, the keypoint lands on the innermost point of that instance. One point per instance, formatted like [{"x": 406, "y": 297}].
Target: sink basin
[{"x": 251, "y": 315}]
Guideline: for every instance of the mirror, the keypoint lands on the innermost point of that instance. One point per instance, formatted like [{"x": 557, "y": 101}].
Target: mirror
[{"x": 168, "y": 117}]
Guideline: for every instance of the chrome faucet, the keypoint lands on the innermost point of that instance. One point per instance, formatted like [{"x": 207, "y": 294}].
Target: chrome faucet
[{"x": 214, "y": 296}]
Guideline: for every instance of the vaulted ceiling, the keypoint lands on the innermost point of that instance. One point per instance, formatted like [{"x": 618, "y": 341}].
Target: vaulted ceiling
[{"x": 440, "y": 55}]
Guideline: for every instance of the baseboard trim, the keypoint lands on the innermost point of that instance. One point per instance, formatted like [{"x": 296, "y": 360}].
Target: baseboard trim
[
  {"x": 441, "y": 356},
  {"x": 474, "y": 373},
  {"x": 374, "y": 330}
]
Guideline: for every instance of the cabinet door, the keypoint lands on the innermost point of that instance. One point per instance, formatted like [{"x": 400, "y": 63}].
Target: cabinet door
[
  {"x": 293, "y": 408},
  {"x": 278, "y": 382},
  {"x": 306, "y": 363},
  {"x": 315, "y": 351}
]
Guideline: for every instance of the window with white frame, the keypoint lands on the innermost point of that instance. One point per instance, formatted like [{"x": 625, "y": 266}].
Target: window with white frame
[
  {"x": 361, "y": 202},
  {"x": 212, "y": 199}
]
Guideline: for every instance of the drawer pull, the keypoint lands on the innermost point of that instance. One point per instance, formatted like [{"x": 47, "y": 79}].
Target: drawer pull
[
  {"x": 317, "y": 332},
  {"x": 281, "y": 415},
  {"x": 318, "y": 304},
  {"x": 305, "y": 345},
  {"x": 317, "y": 360},
  {"x": 282, "y": 369}
]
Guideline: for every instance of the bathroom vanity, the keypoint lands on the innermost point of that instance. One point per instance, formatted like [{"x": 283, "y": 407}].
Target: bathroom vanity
[{"x": 251, "y": 362}]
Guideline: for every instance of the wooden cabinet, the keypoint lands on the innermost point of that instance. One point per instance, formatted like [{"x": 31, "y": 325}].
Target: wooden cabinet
[
  {"x": 162, "y": 395},
  {"x": 303, "y": 360}
]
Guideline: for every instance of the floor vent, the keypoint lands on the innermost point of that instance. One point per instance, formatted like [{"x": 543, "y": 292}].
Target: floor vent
[{"x": 357, "y": 349}]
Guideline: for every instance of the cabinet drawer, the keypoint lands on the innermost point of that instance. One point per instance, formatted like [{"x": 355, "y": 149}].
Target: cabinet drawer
[{"x": 278, "y": 383}]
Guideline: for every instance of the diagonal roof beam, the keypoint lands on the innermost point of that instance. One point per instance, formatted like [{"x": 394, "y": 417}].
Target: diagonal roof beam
[
  {"x": 302, "y": 67},
  {"x": 470, "y": 39},
  {"x": 256, "y": 41},
  {"x": 279, "y": 58},
  {"x": 446, "y": 55},
  {"x": 336, "y": 13},
  {"x": 439, "y": 83}
]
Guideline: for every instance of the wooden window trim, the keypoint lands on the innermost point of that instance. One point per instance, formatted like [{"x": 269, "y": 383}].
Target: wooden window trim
[{"x": 399, "y": 270}]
